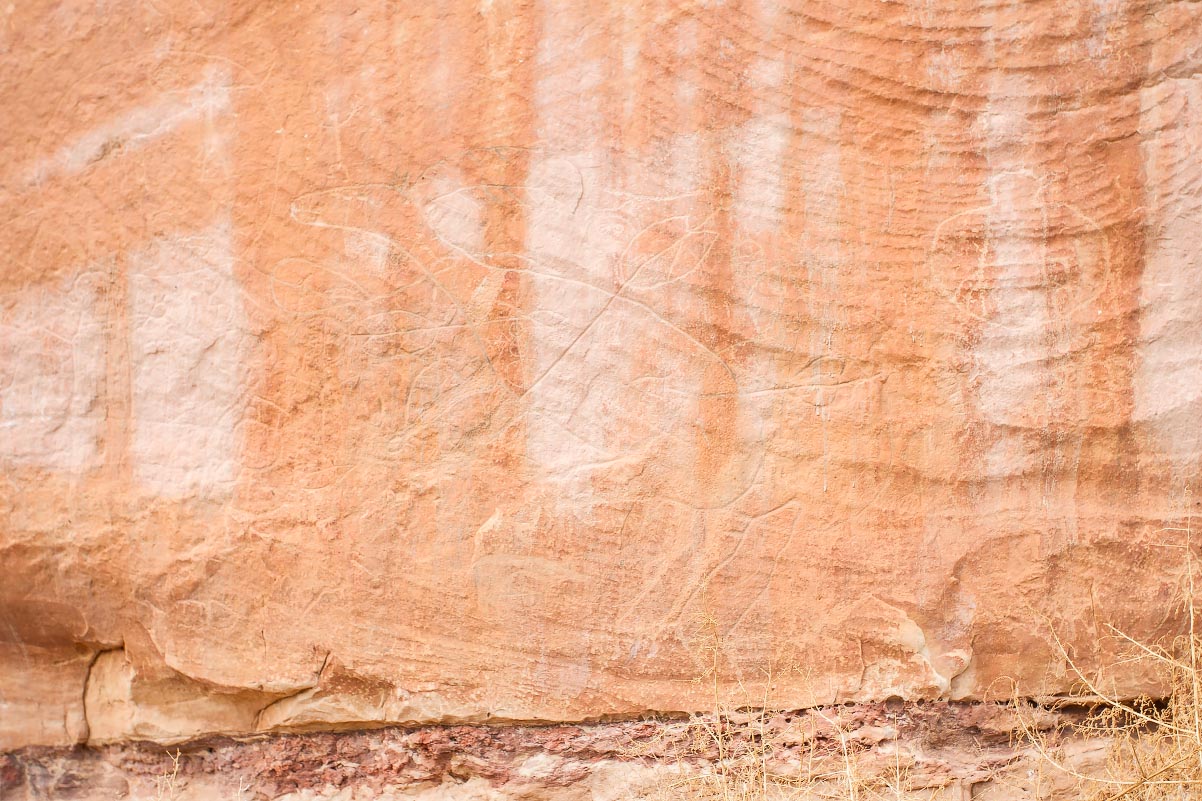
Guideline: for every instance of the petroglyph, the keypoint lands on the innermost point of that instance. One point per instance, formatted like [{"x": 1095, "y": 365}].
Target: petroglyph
[
  {"x": 595, "y": 270},
  {"x": 484, "y": 351},
  {"x": 203, "y": 101},
  {"x": 990, "y": 261}
]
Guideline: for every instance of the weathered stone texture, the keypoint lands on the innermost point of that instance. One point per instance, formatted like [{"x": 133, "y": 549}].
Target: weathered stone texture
[
  {"x": 368, "y": 363},
  {"x": 935, "y": 751}
]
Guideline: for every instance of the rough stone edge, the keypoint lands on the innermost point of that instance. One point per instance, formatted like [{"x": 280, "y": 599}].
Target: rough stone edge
[{"x": 944, "y": 744}]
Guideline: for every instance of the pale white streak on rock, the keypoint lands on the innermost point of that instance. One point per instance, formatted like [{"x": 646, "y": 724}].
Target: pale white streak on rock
[
  {"x": 564, "y": 434},
  {"x": 52, "y": 370},
  {"x": 339, "y": 113},
  {"x": 574, "y": 240},
  {"x": 1100, "y": 43},
  {"x": 1010, "y": 354},
  {"x": 203, "y": 101},
  {"x": 1168, "y": 381},
  {"x": 687, "y": 35},
  {"x": 611, "y": 242},
  {"x": 822, "y": 193},
  {"x": 1013, "y": 352},
  {"x": 757, "y": 148},
  {"x": 822, "y": 189},
  {"x": 571, "y": 252},
  {"x": 757, "y": 151},
  {"x": 442, "y": 78},
  {"x": 189, "y": 344}
]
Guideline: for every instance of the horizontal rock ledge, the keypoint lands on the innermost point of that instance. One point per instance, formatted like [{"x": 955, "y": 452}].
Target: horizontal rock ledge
[{"x": 943, "y": 747}]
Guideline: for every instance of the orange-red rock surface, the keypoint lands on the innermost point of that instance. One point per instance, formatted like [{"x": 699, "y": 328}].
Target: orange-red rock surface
[{"x": 365, "y": 362}]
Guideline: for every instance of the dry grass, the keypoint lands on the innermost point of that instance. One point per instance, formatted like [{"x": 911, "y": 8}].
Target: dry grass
[
  {"x": 734, "y": 753},
  {"x": 732, "y": 756},
  {"x": 745, "y": 769},
  {"x": 167, "y": 787},
  {"x": 1153, "y": 745}
]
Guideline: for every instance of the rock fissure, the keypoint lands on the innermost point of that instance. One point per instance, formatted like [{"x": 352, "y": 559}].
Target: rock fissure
[{"x": 87, "y": 689}]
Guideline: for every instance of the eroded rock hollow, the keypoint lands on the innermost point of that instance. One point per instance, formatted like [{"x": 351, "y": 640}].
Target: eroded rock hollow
[{"x": 495, "y": 364}]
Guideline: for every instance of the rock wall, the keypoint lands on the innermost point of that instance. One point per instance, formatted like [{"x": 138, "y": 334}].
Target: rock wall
[{"x": 515, "y": 362}]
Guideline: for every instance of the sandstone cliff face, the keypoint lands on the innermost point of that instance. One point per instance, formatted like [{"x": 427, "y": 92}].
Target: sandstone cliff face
[{"x": 505, "y": 361}]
